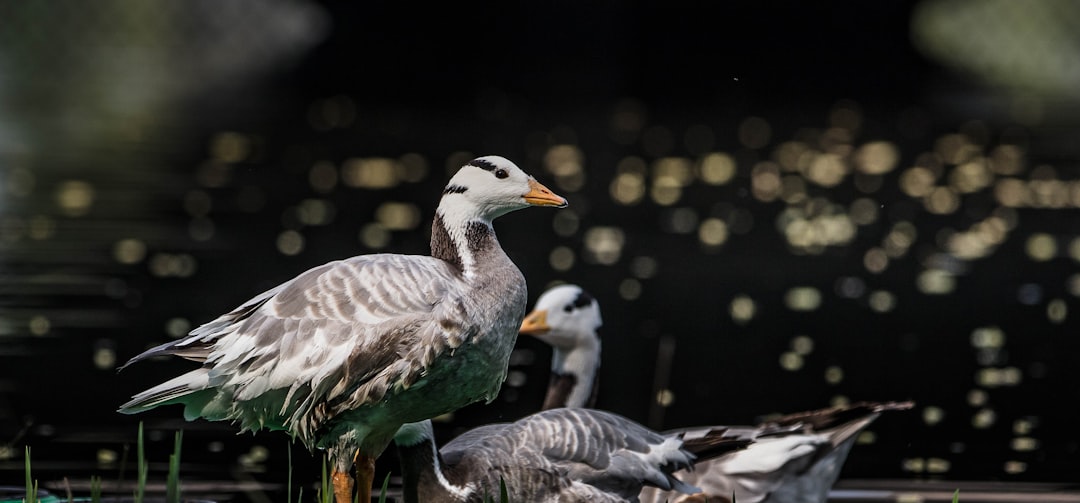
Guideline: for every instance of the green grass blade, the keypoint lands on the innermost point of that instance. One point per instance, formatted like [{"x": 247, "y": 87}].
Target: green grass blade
[
  {"x": 31, "y": 484},
  {"x": 385, "y": 486},
  {"x": 325, "y": 496},
  {"x": 172, "y": 481},
  {"x": 956, "y": 496},
  {"x": 504, "y": 495},
  {"x": 95, "y": 489},
  {"x": 143, "y": 467}
]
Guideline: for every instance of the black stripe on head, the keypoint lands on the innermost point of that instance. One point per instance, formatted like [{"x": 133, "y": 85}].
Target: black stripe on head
[
  {"x": 583, "y": 299},
  {"x": 454, "y": 189},
  {"x": 482, "y": 164}
]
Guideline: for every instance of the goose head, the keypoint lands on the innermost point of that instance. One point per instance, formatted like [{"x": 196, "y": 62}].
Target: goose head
[
  {"x": 565, "y": 317},
  {"x": 488, "y": 187}
]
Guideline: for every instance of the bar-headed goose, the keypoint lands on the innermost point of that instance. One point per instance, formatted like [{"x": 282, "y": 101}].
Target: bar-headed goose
[
  {"x": 558, "y": 455},
  {"x": 344, "y": 354},
  {"x": 797, "y": 463}
]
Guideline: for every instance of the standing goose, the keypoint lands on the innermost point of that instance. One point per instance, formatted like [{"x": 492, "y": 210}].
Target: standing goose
[
  {"x": 558, "y": 455},
  {"x": 797, "y": 462},
  {"x": 344, "y": 354}
]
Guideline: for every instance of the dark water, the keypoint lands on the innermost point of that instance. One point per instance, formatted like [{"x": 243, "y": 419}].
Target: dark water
[{"x": 778, "y": 210}]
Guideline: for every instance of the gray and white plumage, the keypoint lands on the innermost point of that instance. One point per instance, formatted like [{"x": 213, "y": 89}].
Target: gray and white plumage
[
  {"x": 799, "y": 465},
  {"x": 345, "y": 353},
  {"x": 796, "y": 458},
  {"x": 564, "y": 455}
]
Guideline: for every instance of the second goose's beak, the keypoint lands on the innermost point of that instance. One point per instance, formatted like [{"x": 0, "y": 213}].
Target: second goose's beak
[
  {"x": 535, "y": 323},
  {"x": 539, "y": 195}
]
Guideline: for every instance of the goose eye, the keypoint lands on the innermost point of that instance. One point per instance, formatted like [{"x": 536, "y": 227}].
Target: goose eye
[
  {"x": 568, "y": 308},
  {"x": 501, "y": 173}
]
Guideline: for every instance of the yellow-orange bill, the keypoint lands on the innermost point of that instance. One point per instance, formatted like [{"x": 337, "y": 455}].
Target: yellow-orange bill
[
  {"x": 539, "y": 195},
  {"x": 535, "y": 323}
]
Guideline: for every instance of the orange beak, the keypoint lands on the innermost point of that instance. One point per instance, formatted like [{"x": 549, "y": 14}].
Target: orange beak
[
  {"x": 535, "y": 323},
  {"x": 539, "y": 195}
]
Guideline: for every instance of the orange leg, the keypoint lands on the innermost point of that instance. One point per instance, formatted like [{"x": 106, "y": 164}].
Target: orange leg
[
  {"x": 343, "y": 486},
  {"x": 365, "y": 477}
]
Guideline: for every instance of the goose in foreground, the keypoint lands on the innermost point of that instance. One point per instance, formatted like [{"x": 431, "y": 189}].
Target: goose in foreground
[
  {"x": 558, "y": 455},
  {"x": 797, "y": 463},
  {"x": 344, "y": 354}
]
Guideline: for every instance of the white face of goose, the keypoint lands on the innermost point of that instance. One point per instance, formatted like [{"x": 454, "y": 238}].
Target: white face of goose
[
  {"x": 565, "y": 317},
  {"x": 491, "y": 186}
]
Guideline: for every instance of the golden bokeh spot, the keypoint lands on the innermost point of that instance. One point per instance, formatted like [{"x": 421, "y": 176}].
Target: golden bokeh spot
[
  {"x": 834, "y": 375},
  {"x": 644, "y": 267},
  {"x": 802, "y": 345},
  {"x": 932, "y": 415},
  {"x": 716, "y": 168},
  {"x": 315, "y": 212},
  {"x": 983, "y": 419},
  {"x": 677, "y": 170},
  {"x": 977, "y": 397},
  {"x": 104, "y": 358},
  {"x": 230, "y": 147},
  {"x": 370, "y": 173},
  {"x": 742, "y": 309},
  {"x": 917, "y": 181},
  {"x": 988, "y": 338},
  {"x": 827, "y": 170},
  {"x": 935, "y": 282},
  {"x": 412, "y": 168},
  {"x": 603, "y": 245},
  {"x": 792, "y": 156},
  {"x": 941, "y": 201},
  {"x": 971, "y": 176},
  {"x": 106, "y": 457},
  {"x": 39, "y": 325},
  {"x": 765, "y": 181},
  {"x": 877, "y": 157},
  {"x": 129, "y": 251},
  {"x": 713, "y": 232},
  {"x": 290, "y": 242},
  {"x": 627, "y": 188},
  {"x": 561, "y": 258},
  {"x": 803, "y": 298},
  {"x": 565, "y": 223},
  {"x": 875, "y": 260},
  {"x": 374, "y": 235},
  {"x": 566, "y": 163},
  {"x": 665, "y": 398},
  {"x": 1041, "y": 247},
  {"x": 881, "y": 301},
  {"x": 629, "y": 289},
  {"x": 1023, "y": 427},
  {"x": 665, "y": 191},
  {"x": 1056, "y": 311},
  {"x": 1024, "y": 444},
  {"x": 1015, "y": 467},
  {"x": 396, "y": 216},
  {"x": 1011, "y": 192},
  {"x": 75, "y": 197},
  {"x": 791, "y": 361}
]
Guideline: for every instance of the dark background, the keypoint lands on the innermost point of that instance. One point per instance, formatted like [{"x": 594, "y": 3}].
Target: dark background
[{"x": 154, "y": 158}]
